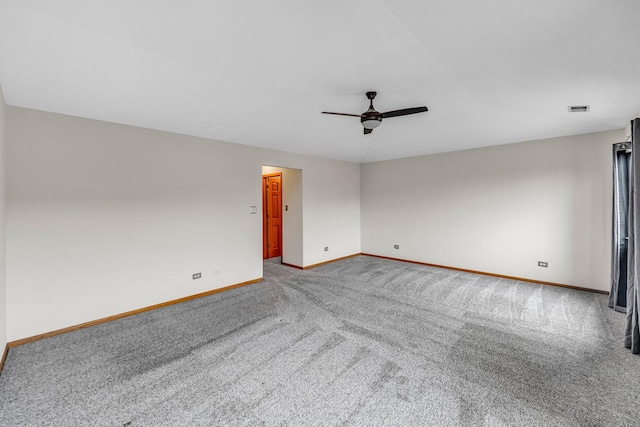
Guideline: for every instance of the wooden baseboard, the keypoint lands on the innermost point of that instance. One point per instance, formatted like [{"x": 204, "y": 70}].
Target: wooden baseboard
[
  {"x": 4, "y": 357},
  {"x": 293, "y": 266},
  {"x": 330, "y": 261},
  {"x": 126, "y": 314},
  {"x": 321, "y": 263},
  {"x": 502, "y": 276}
]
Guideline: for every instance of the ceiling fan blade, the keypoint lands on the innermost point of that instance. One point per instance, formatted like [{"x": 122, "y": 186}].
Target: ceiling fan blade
[
  {"x": 403, "y": 112},
  {"x": 342, "y": 114},
  {"x": 367, "y": 131}
]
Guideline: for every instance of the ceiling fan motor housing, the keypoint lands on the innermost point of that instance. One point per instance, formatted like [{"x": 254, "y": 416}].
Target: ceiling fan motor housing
[{"x": 371, "y": 119}]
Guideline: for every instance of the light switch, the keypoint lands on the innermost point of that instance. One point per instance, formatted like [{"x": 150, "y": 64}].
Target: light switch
[{"x": 253, "y": 209}]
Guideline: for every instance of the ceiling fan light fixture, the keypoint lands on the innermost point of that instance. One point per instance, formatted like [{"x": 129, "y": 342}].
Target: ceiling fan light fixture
[{"x": 371, "y": 123}]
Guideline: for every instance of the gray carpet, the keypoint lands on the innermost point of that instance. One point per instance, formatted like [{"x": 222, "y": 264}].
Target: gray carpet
[{"x": 360, "y": 342}]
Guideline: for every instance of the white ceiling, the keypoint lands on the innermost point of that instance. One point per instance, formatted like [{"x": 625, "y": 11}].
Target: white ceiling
[{"x": 260, "y": 72}]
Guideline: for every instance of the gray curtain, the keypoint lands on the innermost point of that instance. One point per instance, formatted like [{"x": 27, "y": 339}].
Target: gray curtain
[
  {"x": 620, "y": 229},
  {"x": 632, "y": 331}
]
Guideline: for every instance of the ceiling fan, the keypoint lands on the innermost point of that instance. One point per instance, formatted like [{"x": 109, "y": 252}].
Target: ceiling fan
[{"x": 371, "y": 118}]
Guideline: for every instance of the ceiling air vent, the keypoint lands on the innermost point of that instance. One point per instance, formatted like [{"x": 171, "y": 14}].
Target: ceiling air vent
[{"x": 578, "y": 108}]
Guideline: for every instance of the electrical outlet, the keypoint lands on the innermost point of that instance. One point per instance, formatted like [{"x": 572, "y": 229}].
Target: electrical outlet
[
  {"x": 197, "y": 276},
  {"x": 543, "y": 264},
  {"x": 396, "y": 246},
  {"x": 326, "y": 248}
]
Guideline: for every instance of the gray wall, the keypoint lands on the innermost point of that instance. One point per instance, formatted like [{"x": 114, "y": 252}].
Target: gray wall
[
  {"x": 105, "y": 218},
  {"x": 499, "y": 209},
  {"x": 3, "y": 278}
]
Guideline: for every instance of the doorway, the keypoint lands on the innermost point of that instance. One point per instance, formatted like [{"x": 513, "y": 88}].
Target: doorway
[
  {"x": 291, "y": 215},
  {"x": 271, "y": 215}
]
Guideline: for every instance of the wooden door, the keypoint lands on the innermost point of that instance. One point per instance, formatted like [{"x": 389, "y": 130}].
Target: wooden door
[{"x": 272, "y": 215}]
